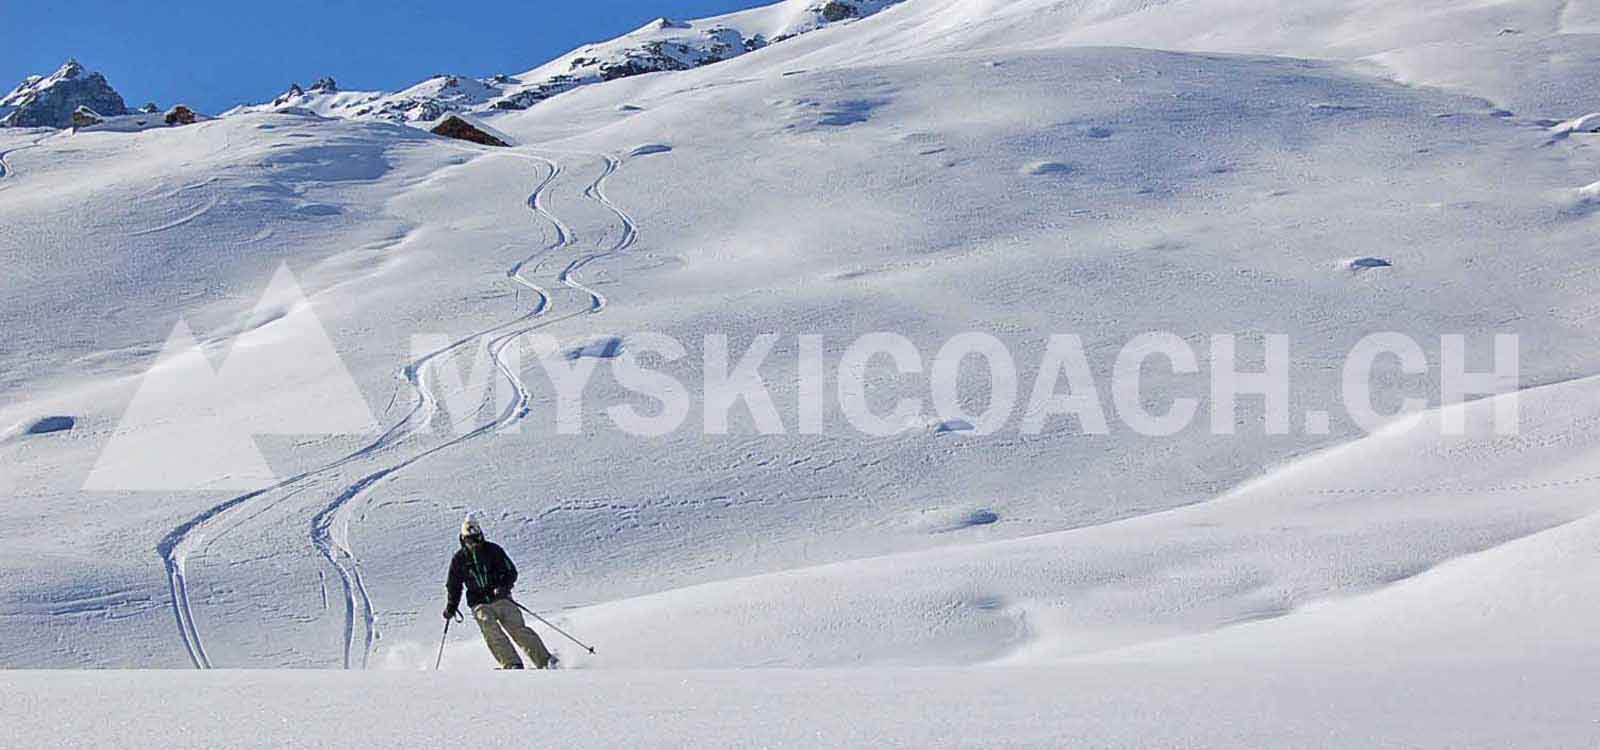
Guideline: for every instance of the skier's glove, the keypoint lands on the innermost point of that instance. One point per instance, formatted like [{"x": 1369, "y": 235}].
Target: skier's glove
[
  {"x": 502, "y": 592},
  {"x": 450, "y": 613}
]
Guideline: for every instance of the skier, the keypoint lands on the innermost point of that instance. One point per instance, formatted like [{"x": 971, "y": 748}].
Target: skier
[{"x": 488, "y": 574}]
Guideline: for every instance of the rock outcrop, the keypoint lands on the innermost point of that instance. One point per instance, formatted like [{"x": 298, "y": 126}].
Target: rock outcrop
[
  {"x": 465, "y": 128},
  {"x": 180, "y": 115},
  {"x": 838, "y": 11},
  {"x": 83, "y": 117},
  {"x": 50, "y": 101},
  {"x": 291, "y": 97}
]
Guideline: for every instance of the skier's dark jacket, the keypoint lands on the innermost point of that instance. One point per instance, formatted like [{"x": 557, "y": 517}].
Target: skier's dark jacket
[{"x": 481, "y": 572}]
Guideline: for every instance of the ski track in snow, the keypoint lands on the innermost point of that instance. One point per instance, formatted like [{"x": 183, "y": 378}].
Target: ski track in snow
[
  {"x": 330, "y": 526},
  {"x": 335, "y": 547},
  {"x": 5, "y": 168},
  {"x": 630, "y": 233},
  {"x": 174, "y": 224}
]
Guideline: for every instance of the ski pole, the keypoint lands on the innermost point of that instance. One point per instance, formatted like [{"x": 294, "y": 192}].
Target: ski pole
[
  {"x": 552, "y": 625},
  {"x": 440, "y": 660}
]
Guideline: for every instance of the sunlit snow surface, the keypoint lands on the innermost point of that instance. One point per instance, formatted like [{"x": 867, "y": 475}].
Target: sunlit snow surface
[
  {"x": 938, "y": 168},
  {"x": 1475, "y": 707}
]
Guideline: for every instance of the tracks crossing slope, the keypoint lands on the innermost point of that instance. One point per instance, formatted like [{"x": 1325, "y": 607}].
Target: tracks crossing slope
[{"x": 329, "y": 524}]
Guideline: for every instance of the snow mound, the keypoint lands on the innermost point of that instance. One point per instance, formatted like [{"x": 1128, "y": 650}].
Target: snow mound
[
  {"x": 953, "y": 425},
  {"x": 649, "y": 148},
  {"x": 603, "y": 347},
  {"x": 948, "y": 521},
  {"x": 49, "y": 425},
  {"x": 318, "y": 209},
  {"x": 1043, "y": 168},
  {"x": 1589, "y": 123}
]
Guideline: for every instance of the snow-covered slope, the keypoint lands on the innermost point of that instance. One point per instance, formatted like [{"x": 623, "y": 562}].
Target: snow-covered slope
[
  {"x": 48, "y": 101},
  {"x": 943, "y": 166},
  {"x": 1469, "y": 706},
  {"x": 1531, "y": 56}
]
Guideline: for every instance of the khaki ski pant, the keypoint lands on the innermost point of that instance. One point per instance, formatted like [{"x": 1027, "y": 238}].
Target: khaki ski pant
[{"x": 501, "y": 623}]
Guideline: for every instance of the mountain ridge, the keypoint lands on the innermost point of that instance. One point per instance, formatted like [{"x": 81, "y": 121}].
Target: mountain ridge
[{"x": 662, "y": 45}]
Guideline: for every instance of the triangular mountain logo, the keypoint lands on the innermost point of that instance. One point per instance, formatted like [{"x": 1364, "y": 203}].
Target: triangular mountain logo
[
  {"x": 174, "y": 435},
  {"x": 192, "y": 427},
  {"x": 287, "y": 376}
]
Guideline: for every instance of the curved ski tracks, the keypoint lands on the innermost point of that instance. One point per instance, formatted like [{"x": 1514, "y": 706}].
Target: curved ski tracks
[
  {"x": 329, "y": 527},
  {"x": 629, "y": 235},
  {"x": 181, "y": 221},
  {"x": 5, "y": 167}
]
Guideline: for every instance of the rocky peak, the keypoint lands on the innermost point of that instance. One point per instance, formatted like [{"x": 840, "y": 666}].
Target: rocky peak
[
  {"x": 72, "y": 69},
  {"x": 289, "y": 96},
  {"x": 50, "y": 101}
]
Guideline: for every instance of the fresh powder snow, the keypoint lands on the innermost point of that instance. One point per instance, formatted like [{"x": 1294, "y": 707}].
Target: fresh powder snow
[{"x": 257, "y": 369}]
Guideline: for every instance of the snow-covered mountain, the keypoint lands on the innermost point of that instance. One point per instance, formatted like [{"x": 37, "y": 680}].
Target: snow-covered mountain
[
  {"x": 659, "y": 46},
  {"x": 49, "y": 101},
  {"x": 669, "y": 45},
  {"x": 423, "y": 102},
  {"x": 1327, "y": 170}
]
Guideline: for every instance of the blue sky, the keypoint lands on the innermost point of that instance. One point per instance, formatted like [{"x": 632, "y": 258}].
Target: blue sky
[{"x": 213, "y": 55}]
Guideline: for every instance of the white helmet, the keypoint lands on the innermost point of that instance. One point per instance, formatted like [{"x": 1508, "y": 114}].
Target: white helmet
[{"x": 470, "y": 527}]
